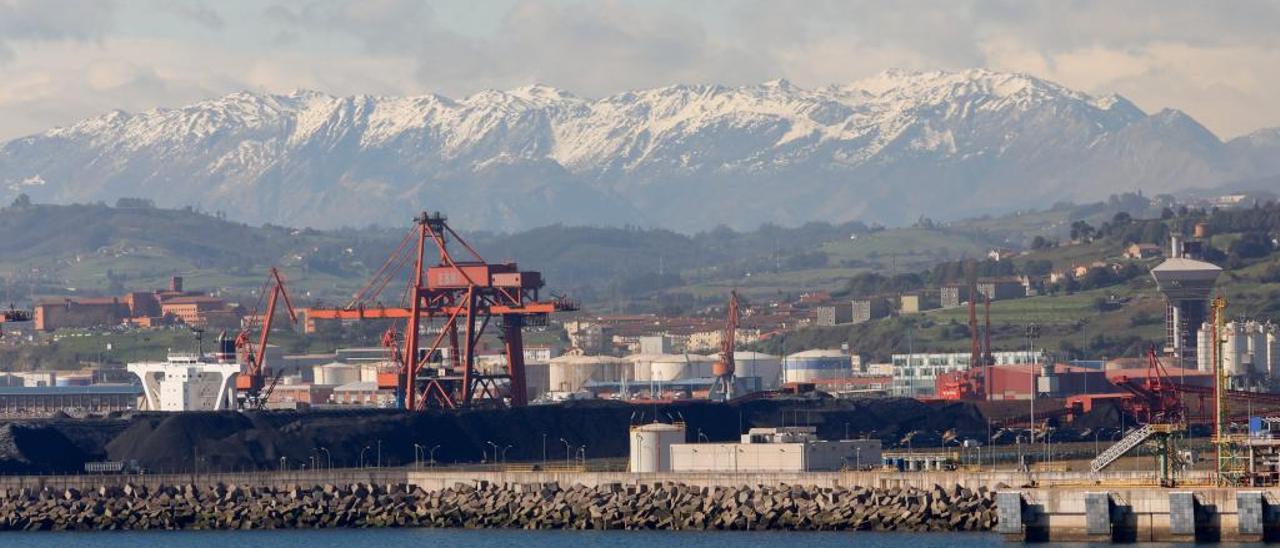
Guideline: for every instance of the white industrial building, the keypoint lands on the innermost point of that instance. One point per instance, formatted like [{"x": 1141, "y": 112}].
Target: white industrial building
[
  {"x": 917, "y": 374},
  {"x": 788, "y": 449},
  {"x": 187, "y": 383}
]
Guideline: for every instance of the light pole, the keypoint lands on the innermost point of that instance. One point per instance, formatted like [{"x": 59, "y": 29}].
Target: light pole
[
  {"x": 495, "y": 450},
  {"x": 857, "y": 452},
  {"x": 433, "y": 455},
  {"x": 1033, "y": 331},
  {"x": 366, "y": 448},
  {"x": 379, "y": 454},
  {"x": 328, "y": 458},
  {"x": 504, "y": 453},
  {"x": 544, "y": 449},
  {"x": 417, "y": 460},
  {"x": 284, "y": 462},
  {"x": 582, "y": 455},
  {"x": 567, "y": 451}
]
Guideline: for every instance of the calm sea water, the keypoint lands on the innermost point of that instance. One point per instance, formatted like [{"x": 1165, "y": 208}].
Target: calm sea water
[{"x": 393, "y": 538}]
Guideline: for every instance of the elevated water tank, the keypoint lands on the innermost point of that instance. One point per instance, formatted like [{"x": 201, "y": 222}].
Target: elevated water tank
[
  {"x": 816, "y": 365},
  {"x": 651, "y": 446},
  {"x": 767, "y": 367}
]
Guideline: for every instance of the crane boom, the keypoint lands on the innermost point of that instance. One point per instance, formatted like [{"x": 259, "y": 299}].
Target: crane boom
[
  {"x": 724, "y": 369},
  {"x": 252, "y": 383}
]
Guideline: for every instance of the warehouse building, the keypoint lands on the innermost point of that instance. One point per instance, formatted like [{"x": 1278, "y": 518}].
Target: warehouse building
[
  {"x": 785, "y": 449},
  {"x": 43, "y": 400}
]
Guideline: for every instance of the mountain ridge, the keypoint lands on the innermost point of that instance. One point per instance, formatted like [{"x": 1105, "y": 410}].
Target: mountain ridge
[{"x": 886, "y": 149}]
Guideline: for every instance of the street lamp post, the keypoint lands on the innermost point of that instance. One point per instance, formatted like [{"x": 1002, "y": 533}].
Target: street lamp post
[
  {"x": 328, "y": 458},
  {"x": 567, "y": 451},
  {"x": 495, "y": 450},
  {"x": 433, "y": 455},
  {"x": 544, "y": 449},
  {"x": 504, "y": 453},
  {"x": 284, "y": 462},
  {"x": 379, "y": 454},
  {"x": 417, "y": 459},
  {"x": 362, "y": 451}
]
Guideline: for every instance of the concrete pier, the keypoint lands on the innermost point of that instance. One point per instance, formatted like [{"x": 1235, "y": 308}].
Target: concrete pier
[{"x": 1138, "y": 514}]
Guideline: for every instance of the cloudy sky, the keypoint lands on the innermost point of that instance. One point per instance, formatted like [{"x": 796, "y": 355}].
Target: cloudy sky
[{"x": 62, "y": 60}]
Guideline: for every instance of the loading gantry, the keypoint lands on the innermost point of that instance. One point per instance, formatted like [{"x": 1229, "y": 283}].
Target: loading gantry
[{"x": 453, "y": 302}]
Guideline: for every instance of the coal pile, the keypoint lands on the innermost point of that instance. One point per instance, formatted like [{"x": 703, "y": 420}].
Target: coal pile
[
  {"x": 239, "y": 441},
  {"x": 38, "y": 449}
]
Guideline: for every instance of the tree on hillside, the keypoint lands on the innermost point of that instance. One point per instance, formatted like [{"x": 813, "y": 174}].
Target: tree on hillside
[{"x": 1082, "y": 231}]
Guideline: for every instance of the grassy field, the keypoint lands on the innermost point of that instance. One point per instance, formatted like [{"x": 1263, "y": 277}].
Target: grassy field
[{"x": 907, "y": 249}]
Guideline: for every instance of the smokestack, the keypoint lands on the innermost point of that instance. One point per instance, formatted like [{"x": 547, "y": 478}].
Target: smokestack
[{"x": 1175, "y": 246}]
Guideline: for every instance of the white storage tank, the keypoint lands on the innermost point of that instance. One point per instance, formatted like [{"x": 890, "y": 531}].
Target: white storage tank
[
  {"x": 651, "y": 446},
  {"x": 642, "y": 366},
  {"x": 816, "y": 365},
  {"x": 675, "y": 367},
  {"x": 570, "y": 373},
  {"x": 755, "y": 364},
  {"x": 336, "y": 374},
  {"x": 1273, "y": 350}
]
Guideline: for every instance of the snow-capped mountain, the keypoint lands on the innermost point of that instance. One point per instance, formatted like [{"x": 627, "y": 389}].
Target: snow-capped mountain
[{"x": 888, "y": 149}]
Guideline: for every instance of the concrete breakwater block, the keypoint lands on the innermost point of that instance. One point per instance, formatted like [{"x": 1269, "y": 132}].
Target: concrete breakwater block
[{"x": 668, "y": 506}]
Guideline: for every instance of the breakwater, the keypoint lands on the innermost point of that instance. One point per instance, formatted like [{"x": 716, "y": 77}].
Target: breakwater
[{"x": 480, "y": 504}]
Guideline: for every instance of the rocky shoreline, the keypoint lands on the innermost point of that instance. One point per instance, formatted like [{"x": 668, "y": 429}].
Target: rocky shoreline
[{"x": 662, "y": 506}]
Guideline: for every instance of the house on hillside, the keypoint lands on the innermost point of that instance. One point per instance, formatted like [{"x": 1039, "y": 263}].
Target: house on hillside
[{"x": 1143, "y": 251}]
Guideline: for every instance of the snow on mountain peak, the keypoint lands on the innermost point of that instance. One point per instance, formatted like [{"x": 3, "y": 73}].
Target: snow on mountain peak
[{"x": 975, "y": 127}]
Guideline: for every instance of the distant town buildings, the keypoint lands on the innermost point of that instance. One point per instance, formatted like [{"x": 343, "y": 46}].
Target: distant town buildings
[
  {"x": 913, "y": 303},
  {"x": 143, "y": 309},
  {"x": 853, "y": 311}
]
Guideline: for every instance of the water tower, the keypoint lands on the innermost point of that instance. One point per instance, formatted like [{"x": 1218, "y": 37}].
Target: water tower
[{"x": 1186, "y": 285}]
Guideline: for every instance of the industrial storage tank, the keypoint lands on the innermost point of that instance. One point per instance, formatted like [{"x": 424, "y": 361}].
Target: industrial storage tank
[
  {"x": 816, "y": 365},
  {"x": 675, "y": 367},
  {"x": 651, "y": 446},
  {"x": 756, "y": 364},
  {"x": 642, "y": 366},
  {"x": 570, "y": 373},
  {"x": 336, "y": 374}
]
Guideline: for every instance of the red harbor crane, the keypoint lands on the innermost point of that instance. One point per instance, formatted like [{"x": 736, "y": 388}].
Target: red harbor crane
[
  {"x": 252, "y": 384},
  {"x": 453, "y": 303},
  {"x": 723, "y": 370}
]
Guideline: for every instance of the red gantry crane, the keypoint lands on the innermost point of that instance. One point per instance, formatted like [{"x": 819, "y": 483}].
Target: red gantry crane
[
  {"x": 252, "y": 383},
  {"x": 723, "y": 370},
  {"x": 452, "y": 302}
]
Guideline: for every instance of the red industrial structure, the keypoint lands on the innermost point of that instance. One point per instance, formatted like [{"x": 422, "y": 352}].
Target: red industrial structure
[
  {"x": 13, "y": 315},
  {"x": 251, "y": 384},
  {"x": 465, "y": 294},
  {"x": 724, "y": 369}
]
